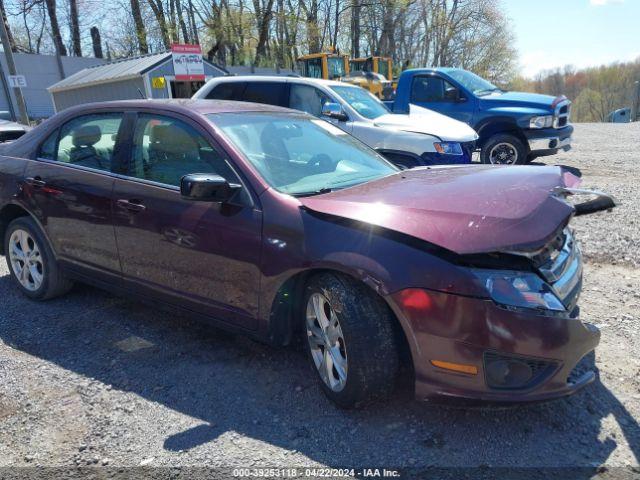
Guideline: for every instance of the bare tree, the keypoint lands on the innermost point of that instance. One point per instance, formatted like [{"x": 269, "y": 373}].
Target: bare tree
[
  {"x": 96, "y": 42},
  {"x": 55, "y": 27},
  {"x": 264, "y": 14},
  {"x": 74, "y": 26},
  {"x": 141, "y": 32},
  {"x": 159, "y": 11}
]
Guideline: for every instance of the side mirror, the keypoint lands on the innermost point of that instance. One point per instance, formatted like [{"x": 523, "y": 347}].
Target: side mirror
[
  {"x": 452, "y": 94},
  {"x": 334, "y": 110},
  {"x": 207, "y": 187}
]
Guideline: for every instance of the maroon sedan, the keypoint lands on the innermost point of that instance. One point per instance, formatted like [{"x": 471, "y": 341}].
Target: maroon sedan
[{"x": 274, "y": 223}]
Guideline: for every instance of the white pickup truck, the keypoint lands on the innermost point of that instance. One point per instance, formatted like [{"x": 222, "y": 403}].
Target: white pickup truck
[{"x": 421, "y": 137}]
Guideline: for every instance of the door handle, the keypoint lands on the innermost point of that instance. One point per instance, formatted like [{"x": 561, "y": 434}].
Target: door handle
[
  {"x": 131, "y": 205},
  {"x": 35, "y": 182}
]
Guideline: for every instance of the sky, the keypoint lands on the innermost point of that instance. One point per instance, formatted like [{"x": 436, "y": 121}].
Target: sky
[{"x": 554, "y": 33}]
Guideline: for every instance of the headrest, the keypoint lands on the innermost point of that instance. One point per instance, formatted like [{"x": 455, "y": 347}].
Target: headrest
[
  {"x": 159, "y": 132},
  {"x": 86, "y": 136},
  {"x": 172, "y": 139}
]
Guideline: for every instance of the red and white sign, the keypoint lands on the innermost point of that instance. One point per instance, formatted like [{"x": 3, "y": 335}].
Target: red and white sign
[{"x": 187, "y": 63}]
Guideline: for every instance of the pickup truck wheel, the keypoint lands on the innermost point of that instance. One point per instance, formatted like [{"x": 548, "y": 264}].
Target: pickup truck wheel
[
  {"x": 31, "y": 261},
  {"x": 503, "y": 149},
  {"x": 351, "y": 341}
]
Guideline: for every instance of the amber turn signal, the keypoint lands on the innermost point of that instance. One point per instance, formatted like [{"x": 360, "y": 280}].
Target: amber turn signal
[{"x": 455, "y": 367}]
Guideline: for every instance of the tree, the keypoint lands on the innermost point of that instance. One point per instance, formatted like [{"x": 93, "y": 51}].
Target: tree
[
  {"x": 96, "y": 42},
  {"x": 74, "y": 25},
  {"x": 141, "y": 32},
  {"x": 55, "y": 27}
]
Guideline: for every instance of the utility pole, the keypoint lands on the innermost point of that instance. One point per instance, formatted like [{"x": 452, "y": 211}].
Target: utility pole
[{"x": 8, "y": 55}]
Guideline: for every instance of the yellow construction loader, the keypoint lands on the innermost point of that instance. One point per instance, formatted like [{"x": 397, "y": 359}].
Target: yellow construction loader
[
  {"x": 329, "y": 65},
  {"x": 381, "y": 65}
]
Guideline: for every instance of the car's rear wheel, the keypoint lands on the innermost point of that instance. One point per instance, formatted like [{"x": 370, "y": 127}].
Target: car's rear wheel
[
  {"x": 31, "y": 261},
  {"x": 503, "y": 149},
  {"x": 351, "y": 341}
]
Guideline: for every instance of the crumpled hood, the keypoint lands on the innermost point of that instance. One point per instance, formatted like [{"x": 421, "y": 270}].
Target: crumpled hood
[
  {"x": 423, "y": 120},
  {"x": 469, "y": 209}
]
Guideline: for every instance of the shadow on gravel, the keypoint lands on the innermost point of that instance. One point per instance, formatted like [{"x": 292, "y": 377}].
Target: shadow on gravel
[{"x": 233, "y": 384}]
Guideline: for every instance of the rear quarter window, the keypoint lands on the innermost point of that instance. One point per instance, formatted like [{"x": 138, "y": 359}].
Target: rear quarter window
[{"x": 227, "y": 91}]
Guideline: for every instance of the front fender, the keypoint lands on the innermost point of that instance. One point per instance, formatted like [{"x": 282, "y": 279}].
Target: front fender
[
  {"x": 297, "y": 240},
  {"x": 384, "y": 138}
]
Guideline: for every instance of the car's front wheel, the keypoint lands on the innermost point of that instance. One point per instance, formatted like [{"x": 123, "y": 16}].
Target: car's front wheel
[
  {"x": 350, "y": 340},
  {"x": 503, "y": 149},
  {"x": 31, "y": 262}
]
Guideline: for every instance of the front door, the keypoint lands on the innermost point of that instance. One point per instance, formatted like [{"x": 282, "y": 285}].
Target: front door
[
  {"x": 430, "y": 91},
  {"x": 202, "y": 255},
  {"x": 69, "y": 189},
  {"x": 310, "y": 99}
]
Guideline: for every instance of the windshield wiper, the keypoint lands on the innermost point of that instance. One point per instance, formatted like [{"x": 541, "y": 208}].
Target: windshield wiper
[{"x": 320, "y": 191}]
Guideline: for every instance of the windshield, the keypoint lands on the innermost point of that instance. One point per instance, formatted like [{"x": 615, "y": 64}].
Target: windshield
[
  {"x": 299, "y": 154},
  {"x": 472, "y": 82},
  {"x": 362, "y": 101},
  {"x": 336, "y": 67}
]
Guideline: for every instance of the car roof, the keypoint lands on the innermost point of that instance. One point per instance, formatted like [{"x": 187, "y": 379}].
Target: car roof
[
  {"x": 185, "y": 106},
  {"x": 276, "y": 79}
]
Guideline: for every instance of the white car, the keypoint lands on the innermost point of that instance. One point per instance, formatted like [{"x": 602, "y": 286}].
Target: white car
[
  {"x": 421, "y": 137},
  {"x": 10, "y": 131}
]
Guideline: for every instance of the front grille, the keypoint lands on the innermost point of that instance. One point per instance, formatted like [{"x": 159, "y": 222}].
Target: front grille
[
  {"x": 561, "y": 267},
  {"x": 562, "y": 114}
]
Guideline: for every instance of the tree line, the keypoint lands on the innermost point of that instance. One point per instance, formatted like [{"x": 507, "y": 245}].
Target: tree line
[
  {"x": 595, "y": 91},
  {"x": 472, "y": 34}
]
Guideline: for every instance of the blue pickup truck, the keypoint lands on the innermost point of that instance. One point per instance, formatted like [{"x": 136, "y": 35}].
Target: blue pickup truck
[{"x": 514, "y": 127}]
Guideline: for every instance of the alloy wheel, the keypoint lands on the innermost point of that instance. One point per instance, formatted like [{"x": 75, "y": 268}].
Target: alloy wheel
[
  {"x": 503, "y": 154},
  {"x": 326, "y": 342},
  {"x": 26, "y": 260}
]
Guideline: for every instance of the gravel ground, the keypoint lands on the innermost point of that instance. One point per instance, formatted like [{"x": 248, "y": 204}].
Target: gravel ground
[{"x": 94, "y": 380}]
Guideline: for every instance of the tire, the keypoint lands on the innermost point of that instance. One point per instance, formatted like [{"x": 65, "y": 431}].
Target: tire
[
  {"x": 365, "y": 344},
  {"x": 43, "y": 280},
  {"x": 514, "y": 151}
]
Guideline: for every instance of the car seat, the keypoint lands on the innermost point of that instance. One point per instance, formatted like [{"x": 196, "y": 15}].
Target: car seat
[{"x": 83, "y": 151}]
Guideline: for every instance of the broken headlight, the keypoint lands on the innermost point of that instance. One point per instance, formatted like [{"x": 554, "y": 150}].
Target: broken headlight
[{"x": 519, "y": 289}]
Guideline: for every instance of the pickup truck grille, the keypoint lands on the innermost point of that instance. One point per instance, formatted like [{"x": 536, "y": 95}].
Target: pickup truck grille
[
  {"x": 561, "y": 114},
  {"x": 561, "y": 266}
]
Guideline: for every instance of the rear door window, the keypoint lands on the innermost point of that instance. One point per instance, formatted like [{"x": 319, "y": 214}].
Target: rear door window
[
  {"x": 87, "y": 141},
  {"x": 227, "y": 91},
  {"x": 271, "y": 93}
]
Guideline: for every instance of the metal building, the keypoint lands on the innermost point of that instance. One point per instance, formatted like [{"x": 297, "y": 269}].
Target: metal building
[
  {"x": 40, "y": 71},
  {"x": 147, "y": 76}
]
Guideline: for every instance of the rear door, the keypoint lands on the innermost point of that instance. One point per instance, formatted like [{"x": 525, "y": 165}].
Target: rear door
[
  {"x": 201, "y": 255},
  {"x": 69, "y": 189}
]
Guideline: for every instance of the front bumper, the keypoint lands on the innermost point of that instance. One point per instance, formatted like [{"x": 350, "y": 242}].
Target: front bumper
[
  {"x": 549, "y": 140},
  {"x": 466, "y": 331}
]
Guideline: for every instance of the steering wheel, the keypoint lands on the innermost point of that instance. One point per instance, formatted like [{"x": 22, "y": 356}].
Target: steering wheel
[{"x": 322, "y": 162}]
